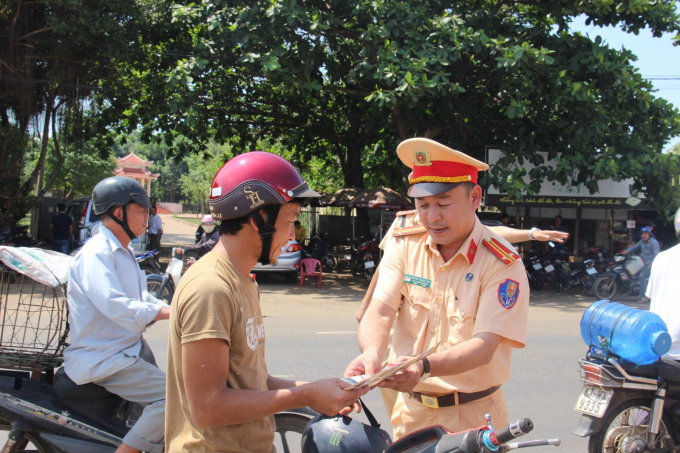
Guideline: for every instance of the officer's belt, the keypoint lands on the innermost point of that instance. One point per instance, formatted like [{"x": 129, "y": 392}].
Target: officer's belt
[{"x": 453, "y": 399}]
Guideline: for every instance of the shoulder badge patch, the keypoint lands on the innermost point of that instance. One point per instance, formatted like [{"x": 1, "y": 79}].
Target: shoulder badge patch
[
  {"x": 406, "y": 231},
  {"x": 500, "y": 251},
  {"x": 508, "y": 293}
]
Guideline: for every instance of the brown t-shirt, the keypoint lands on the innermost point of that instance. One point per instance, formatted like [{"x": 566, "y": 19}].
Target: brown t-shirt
[{"x": 214, "y": 300}]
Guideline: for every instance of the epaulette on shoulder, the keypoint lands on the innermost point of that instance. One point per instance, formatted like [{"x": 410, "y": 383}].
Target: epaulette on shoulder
[
  {"x": 402, "y": 213},
  {"x": 500, "y": 251},
  {"x": 409, "y": 230}
]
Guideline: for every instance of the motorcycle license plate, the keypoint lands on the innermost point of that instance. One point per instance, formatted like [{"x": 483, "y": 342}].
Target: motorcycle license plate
[
  {"x": 369, "y": 264},
  {"x": 538, "y": 267},
  {"x": 591, "y": 270},
  {"x": 593, "y": 401},
  {"x": 348, "y": 257},
  {"x": 549, "y": 268}
]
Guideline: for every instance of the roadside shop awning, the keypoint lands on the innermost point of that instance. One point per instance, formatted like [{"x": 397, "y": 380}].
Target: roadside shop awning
[
  {"x": 381, "y": 198},
  {"x": 340, "y": 198}
]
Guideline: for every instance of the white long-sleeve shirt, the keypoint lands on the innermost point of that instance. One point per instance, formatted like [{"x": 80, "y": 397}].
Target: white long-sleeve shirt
[
  {"x": 109, "y": 308},
  {"x": 663, "y": 292}
]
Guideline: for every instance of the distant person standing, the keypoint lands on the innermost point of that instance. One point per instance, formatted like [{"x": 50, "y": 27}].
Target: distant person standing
[
  {"x": 300, "y": 232},
  {"x": 61, "y": 227},
  {"x": 155, "y": 229},
  {"x": 505, "y": 220},
  {"x": 557, "y": 226}
]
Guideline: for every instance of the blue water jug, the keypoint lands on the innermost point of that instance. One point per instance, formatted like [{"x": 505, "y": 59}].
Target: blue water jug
[{"x": 630, "y": 333}]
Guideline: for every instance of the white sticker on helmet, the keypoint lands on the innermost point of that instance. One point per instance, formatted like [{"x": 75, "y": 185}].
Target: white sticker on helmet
[{"x": 217, "y": 191}]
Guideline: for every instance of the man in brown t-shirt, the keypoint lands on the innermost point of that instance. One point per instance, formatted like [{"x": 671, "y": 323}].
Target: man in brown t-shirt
[{"x": 220, "y": 397}]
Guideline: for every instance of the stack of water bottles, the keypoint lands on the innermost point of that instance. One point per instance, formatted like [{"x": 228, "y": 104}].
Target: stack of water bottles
[{"x": 638, "y": 336}]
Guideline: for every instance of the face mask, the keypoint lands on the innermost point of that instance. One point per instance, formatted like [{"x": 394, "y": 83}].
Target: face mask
[{"x": 209, "y": 228}]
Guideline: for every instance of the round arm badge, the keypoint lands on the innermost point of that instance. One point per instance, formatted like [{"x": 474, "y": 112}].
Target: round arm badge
[{"x": 508, "y": 293}]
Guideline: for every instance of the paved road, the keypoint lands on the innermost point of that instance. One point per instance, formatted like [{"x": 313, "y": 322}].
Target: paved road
[{"x": 311, "y": 334}]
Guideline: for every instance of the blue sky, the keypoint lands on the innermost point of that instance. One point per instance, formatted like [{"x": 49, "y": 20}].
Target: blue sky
[{"x": 657, "y": 57}]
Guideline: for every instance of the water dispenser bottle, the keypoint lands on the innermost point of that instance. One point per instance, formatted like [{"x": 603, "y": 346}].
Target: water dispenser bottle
[{"x": 636, "y": 335}]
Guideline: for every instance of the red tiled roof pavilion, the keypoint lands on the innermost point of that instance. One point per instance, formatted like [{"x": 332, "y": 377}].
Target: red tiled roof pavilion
[{"x": 135, "y": 167}]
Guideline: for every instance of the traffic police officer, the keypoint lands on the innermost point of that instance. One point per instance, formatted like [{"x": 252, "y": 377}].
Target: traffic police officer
[{"x": 450, "y": 282}]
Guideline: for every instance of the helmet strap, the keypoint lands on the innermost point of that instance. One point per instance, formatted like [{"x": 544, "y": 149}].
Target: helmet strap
[
  {"x": 124, "y": 223},
  {"x": 369, "y": 415},
  {"x": 266, "y": 230}
]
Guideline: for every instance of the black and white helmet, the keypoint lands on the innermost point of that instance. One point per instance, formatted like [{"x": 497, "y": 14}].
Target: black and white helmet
[{"x": 340, "y": 434}]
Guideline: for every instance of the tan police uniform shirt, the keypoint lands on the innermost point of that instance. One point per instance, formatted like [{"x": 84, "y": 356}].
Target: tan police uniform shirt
[
  {"x": 451, "y": 302},
  {"x": 214, "y": 300}
]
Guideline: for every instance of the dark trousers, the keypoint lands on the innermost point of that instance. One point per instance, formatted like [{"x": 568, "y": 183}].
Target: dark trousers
[
  {"x": 61, "y": 245},
  {"x": 154, "y": 241}
]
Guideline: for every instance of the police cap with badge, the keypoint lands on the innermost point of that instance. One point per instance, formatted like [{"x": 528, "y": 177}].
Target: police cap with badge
[{"x": 436, "y": 168}]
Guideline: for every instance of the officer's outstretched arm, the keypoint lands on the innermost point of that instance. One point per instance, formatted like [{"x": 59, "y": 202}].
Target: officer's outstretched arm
[{"x": 514, "y": 236}]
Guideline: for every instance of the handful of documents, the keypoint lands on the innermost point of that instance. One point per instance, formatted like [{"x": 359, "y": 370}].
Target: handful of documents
[{"x": 388, "y": 370}]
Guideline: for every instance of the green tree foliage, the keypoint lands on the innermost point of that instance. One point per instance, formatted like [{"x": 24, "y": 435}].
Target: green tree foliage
[
  {"x": 57, "y": 55},
  {"x": 202, "y": 169},
  {"x": 346, "y": 81},
  {"x": 12, "y": 149}
]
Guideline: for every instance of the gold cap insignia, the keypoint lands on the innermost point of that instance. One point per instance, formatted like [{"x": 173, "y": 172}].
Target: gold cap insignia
[{"x": 421, "y": 159}]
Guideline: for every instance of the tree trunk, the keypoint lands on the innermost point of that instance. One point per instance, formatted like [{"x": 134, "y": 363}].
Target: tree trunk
[{"x": 354, "y": 177}]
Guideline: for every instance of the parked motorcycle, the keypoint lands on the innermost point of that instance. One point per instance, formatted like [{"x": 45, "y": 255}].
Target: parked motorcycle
[
  {"x": 344, "y": 255},
  {"x": 569, "y": 275},
  {"x": 622, "y": 279},
  {"x": 600, "y": 255},
  {"x": 322, "y": 251},
  {"x": 369, "y": 266},
  {"x": 359, "y": 251},
  {"x": 629, "y": 408},
  {"x": 436, "y": 439},
  {"x": 534, "y": 270},
  {"x": 18, "y": 236}
]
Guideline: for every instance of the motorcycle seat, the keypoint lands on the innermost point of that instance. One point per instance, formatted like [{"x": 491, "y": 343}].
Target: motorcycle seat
[
  {"x": 667, "y": 369},
  {"x": 68, "y": 390}
]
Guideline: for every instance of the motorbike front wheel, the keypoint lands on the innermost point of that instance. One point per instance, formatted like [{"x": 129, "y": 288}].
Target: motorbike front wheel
[
  {"x": 627, "y": 429},
  {"x": 588, "y": 283},
  {"x": 31, "y": 442},
  {"x": 605, "y": 287},
  {"x": 153, "y": 287},
  {"x": 289, "y": 429}
]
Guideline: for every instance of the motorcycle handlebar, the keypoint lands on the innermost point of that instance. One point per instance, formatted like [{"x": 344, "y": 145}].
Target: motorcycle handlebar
[{"x": 512, "y": 431}]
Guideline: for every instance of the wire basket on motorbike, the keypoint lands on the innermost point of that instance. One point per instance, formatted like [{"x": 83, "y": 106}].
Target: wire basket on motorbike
[{"x": 33, "y": 307}]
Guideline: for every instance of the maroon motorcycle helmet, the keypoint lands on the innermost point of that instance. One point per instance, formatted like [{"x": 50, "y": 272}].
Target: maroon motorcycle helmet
[{"x": 254, "y": 180}]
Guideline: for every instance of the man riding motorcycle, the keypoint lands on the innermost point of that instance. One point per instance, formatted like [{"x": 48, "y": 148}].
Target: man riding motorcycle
[
  {"x": 209, "y": 237},
  {"x": 109, "y": 309}
]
